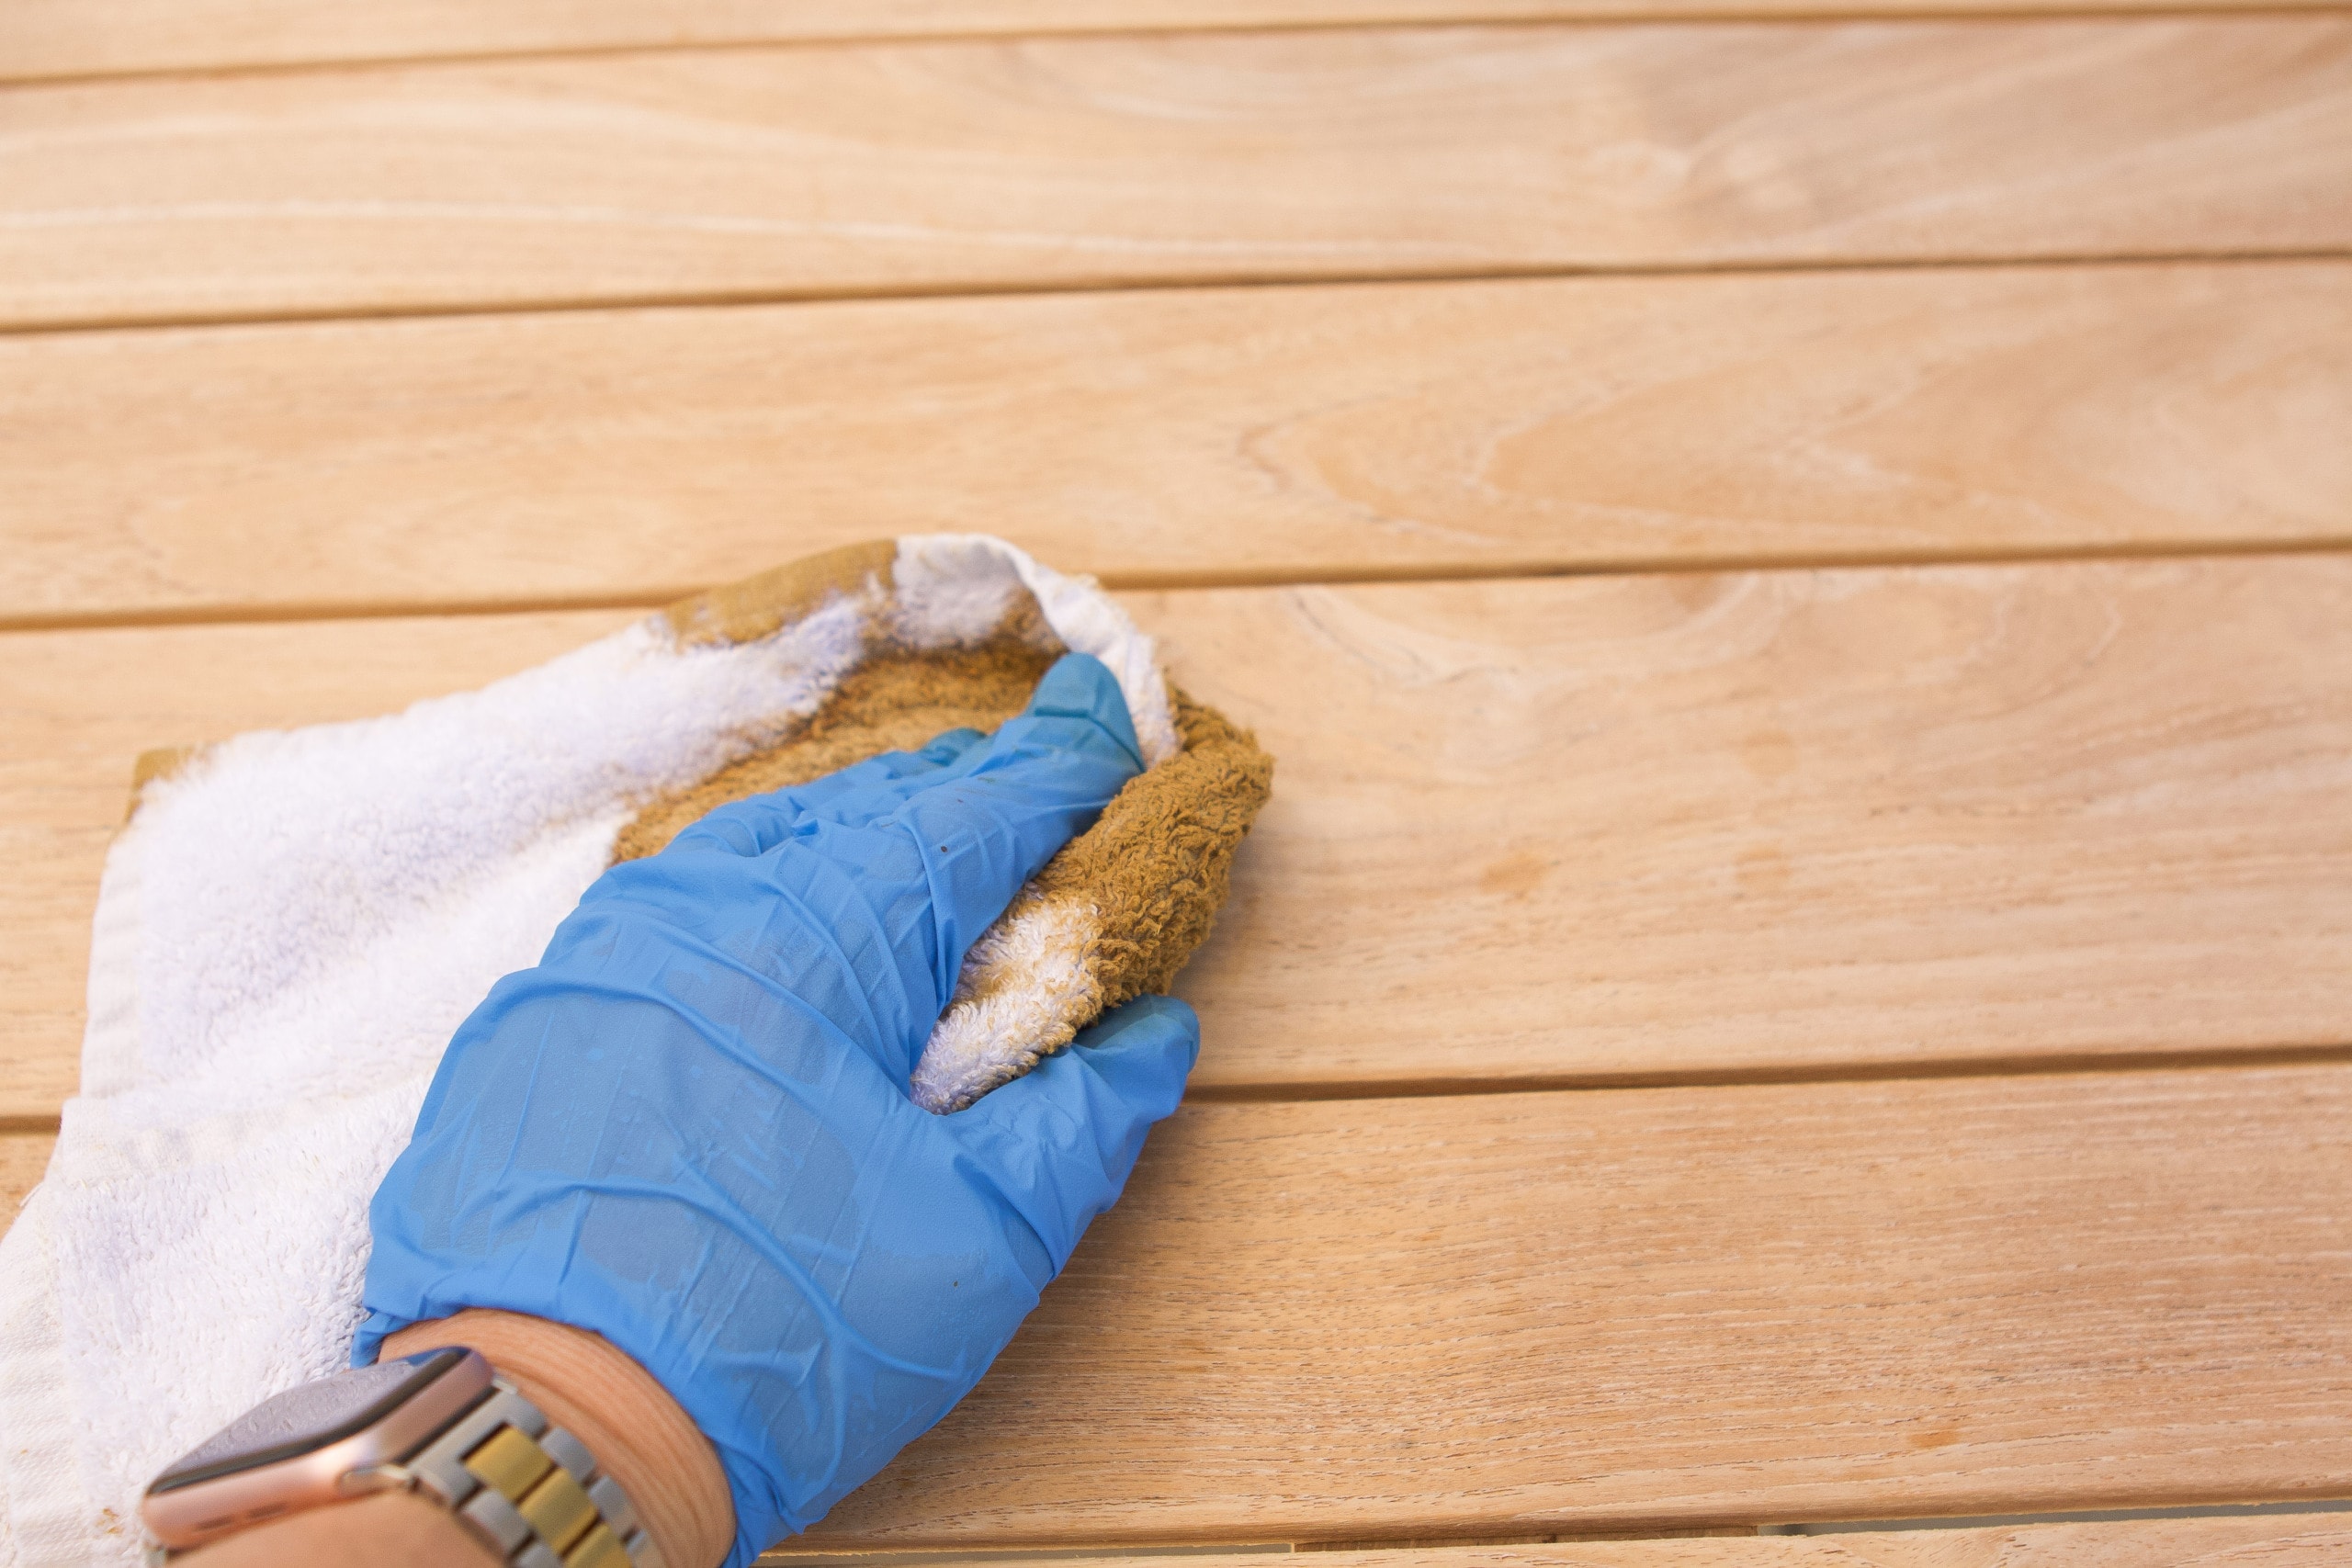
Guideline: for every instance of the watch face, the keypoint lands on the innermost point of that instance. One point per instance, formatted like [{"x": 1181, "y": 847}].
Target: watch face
[{"x": 308, "y": 1418}]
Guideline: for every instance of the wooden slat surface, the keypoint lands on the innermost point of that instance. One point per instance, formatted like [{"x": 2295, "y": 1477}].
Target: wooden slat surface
[
  {"x": 1681, "y": 1306},
  {"x": 1946, "y": 280},
  {"x": 1131, "y": 159},
  {"x": 49, "y": 39},
  {"x": 1530, "y": 425},
  {"x": 2256, "y": 1542},
  {"x": 1782, "y": 821},
  {"x": 1688, "y": 1305},
  {"x": 1566, "y": 830},
  {"x": 1485, "y": 1313}
]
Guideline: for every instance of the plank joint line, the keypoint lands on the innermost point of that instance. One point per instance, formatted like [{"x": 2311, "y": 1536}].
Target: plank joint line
[
  {"x": 295, "y": 612},
  {"x": 1170, "y": 283},
  {"x": 1687, "y": 13}
]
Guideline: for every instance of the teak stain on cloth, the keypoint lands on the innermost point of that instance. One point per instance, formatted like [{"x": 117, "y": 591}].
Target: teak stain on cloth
[
  {"x": 754, "y": 607},
  {"x": 937, "y": 633},
  {"x": 1144, "y": 883},
  {"x": 155, "y": 762},
  {"x": 896, "y": 700},
  {"x": 1160, "y": 864},
  {"x": 1117, "y": 912}
]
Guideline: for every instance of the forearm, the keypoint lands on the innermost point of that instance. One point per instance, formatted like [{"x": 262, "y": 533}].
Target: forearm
[{"x": 637, "y": 1431}]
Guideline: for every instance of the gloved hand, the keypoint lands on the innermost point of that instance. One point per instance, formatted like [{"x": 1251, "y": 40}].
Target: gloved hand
[{"x": 688, "y": 1129}]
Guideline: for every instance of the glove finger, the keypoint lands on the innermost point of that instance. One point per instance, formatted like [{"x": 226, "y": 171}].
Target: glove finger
[
  {"x": 1078, "y": 705},
  {"x": 890, "y": 772},
  {"x": 758, "y": 823},
  {"x": 861, "y": 906},
  {"x": 864, "y": 795},
  {"x": 989, "y": 822},
  {"x": 1059, "y": 1143}
]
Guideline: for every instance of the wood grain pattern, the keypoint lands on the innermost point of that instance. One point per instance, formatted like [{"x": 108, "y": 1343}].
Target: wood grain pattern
[
  {"x": 1557, "y": 1310},
  {"x": 49, "y": 39},
  {"x": 1776, "y": 822},
  {"x": 2253, "y": 1542},
  {"x": 1564, "y": 1311},
  {"x": 1128, "y": 159},
  {"x": 1475, "y": 1314},
  {"x": 1537, "y": 425},
  {"x": 1574, "y": 830}
]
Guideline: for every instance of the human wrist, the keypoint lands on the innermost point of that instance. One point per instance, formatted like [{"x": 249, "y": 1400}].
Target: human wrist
[
  {"x": 638, "y": 1434},
  {"x": 391, "y": 1530}
]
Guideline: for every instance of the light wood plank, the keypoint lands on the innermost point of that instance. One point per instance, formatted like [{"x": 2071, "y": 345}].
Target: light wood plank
[
  {"x": 1959, "y": 1265},
  {"x": 1554, "y": 1312},
  {"x": 1679, "y": 1307},
  {"x": 1532, "y": 426},
  {"x": 1570, "y": 831},
  {"x": 1780, "y": 822},
  {"x": 2272, "y": 1541},
  {"x": 1126, "y": 160},
  {"x": 49, "y": 39}
]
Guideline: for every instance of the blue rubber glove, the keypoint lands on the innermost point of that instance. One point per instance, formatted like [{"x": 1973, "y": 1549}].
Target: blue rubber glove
[{"x": 688, "y": 1129}]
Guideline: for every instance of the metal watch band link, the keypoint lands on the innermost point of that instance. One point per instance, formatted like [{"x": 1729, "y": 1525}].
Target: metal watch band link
[{"x": 532, "y": 1491}]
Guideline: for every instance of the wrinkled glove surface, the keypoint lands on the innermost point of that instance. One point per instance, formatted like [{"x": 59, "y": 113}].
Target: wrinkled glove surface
[{"x": 688, "y": 1129}]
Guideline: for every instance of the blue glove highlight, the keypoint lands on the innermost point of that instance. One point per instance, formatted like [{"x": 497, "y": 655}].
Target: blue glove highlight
[{"x": 688, "y": 1128}]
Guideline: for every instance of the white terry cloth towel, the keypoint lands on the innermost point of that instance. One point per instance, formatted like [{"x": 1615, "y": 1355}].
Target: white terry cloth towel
[{"x": 288, "y": 933}]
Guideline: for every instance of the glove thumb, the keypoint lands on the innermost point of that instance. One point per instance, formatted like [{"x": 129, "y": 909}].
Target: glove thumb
[{"x": 1059, "y": 1143}]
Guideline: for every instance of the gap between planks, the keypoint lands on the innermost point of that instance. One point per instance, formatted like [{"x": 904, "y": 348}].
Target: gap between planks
[
  {"x": 30, "y": 62},
  {"x": 1958, "y": 1067},
  {"x": 1205, "y": 581},
  {"x": 2273, "y": 1541},
  {"x": 2279, "y": 1535},
  {"x": 1199, "y": 282}
]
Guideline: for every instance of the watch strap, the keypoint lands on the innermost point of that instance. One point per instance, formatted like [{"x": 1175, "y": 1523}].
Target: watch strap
[{"x": 531, "y": 1490}]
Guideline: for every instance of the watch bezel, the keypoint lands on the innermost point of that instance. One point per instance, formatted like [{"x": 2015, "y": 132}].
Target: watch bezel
[{"x": 253, "y": 1488}]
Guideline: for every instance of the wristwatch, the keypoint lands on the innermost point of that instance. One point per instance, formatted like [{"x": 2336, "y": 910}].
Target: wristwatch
[{"x": 441, "y": 1423}]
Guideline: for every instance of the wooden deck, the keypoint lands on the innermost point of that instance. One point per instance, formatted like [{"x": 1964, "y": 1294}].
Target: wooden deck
[{"x": 1797, "y": 561}]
